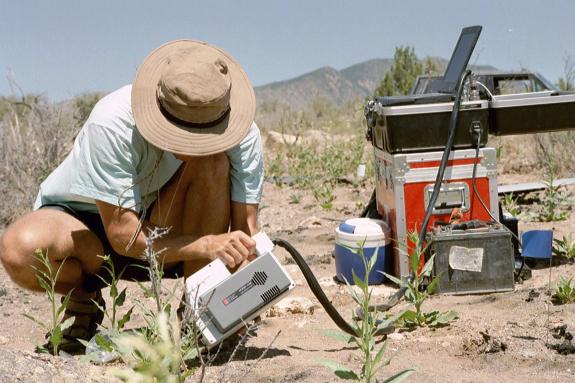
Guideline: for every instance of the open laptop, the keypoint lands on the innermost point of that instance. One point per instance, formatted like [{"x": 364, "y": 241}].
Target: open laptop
[
  {"x": 459, "y": 60},
  {"x": 444, "y": 89}
]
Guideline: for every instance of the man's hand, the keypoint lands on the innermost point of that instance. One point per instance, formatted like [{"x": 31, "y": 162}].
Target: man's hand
[{"x": 231, "y": 248}]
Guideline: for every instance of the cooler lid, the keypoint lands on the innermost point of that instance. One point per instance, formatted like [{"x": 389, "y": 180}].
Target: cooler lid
[{"x": 363, "y": 226}]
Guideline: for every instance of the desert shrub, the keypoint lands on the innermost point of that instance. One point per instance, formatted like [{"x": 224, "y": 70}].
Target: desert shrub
[
  {"x": 370, "y": 356},
  {"x": 555, "y": 152},
  {"x": 416, "y": 294},
  {"x": 564, "y": 247},
  {"x": 319, "y": 168},
  {"x": 35, "y": 136},
  {"x": 556, "y": 203},
  {"x": 564, "y": 292}
]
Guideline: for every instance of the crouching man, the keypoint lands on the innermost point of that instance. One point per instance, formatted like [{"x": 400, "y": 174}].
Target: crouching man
[{"x": 177, "y": 149}]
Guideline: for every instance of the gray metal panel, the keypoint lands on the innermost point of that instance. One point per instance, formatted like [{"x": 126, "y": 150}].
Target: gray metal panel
[
  {"x": 518, "y": 100},
  {"x": 252, "y": 287},
  {"x": 430, "y": 108},
  {"x": 532, "y": 186},
  {"x": 497, "y": 263}
]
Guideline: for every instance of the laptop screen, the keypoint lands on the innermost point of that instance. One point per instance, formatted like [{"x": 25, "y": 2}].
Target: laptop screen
[{"x": 459, "y": 59}]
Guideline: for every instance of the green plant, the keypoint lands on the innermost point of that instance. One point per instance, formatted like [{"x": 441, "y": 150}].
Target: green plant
[
  {"x": 510, "y": 204},
  {"x": 318, "y": 169},
  {"x": 564, "y": 247},
  {"x": 159, "y": 361},
  {"x": 564, "y": 292},
  {"x": 294, "y": 198},
  {"x": 275, "y": 168},
  {"x": 365, "y": 334},
  {"x": 117, "y": 299},
  {"x": 324, "y": 195},
  {"x": 555, "y": 203},
  {"x": 415, "y": 292},
  {"x": 47, "y": 277}
]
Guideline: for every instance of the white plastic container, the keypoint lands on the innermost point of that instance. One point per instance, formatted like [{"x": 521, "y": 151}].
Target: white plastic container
[{"x": 350, "y": 237}]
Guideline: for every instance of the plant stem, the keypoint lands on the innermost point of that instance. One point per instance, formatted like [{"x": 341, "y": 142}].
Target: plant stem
[{"x": 54, "y": 318}]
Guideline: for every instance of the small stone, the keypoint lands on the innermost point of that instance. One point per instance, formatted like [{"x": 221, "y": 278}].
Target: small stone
[
  {"x": 4, "y": 340},
  {"x": 3, "y": 292},
  {"x": 291, "y": 305},
  {"x": 396, "y": 336},
  {"x": 378, "y": 290},
  {"x": 311, "y": 222},
  {"x": 327, "y": 282}
]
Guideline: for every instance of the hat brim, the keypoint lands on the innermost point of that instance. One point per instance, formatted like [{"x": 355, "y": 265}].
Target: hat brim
[{"x": 179, "y": 139}]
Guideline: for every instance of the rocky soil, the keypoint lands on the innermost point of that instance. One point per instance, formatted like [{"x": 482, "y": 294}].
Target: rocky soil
[{"x": 505, "y": 337}]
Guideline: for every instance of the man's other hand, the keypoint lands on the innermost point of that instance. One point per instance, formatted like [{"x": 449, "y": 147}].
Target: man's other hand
[{"x": 231, "y": 248}]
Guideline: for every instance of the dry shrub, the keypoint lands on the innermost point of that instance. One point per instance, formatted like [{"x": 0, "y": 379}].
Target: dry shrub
[
  {"x": 555, "y": 152},
  {"x": 35, "y": 136}
]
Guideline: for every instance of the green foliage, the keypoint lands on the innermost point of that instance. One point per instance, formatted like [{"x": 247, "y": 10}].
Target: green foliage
[
  {"x": 430, "y": 67},
  {"x": 555, "y": 203},
  {"x": 564, "y": 248},
  {"x": 318, "y": 169},
  {"x": 323, "y": 193},
  {"x": 402, "y": 74},
  {"x": 510, "y": 204},
  {"x": 370, "y": 357},
  {"x": 416, "y": 295},
  {"x": 294, "y": 198},
  {"x": 117, "y": 298},
  {"x": 564, "y": 292},
  {"x": 47, "y": 277},
  {"x": 157, "y": 352},
  {"x": 152, "y": 362}
]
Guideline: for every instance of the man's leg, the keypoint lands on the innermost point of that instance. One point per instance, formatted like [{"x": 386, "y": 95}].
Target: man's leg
[
  {"x": 63, "y": 238},
  {"x": 69, "y": 244},
  {"x": 196, "y": 200}
]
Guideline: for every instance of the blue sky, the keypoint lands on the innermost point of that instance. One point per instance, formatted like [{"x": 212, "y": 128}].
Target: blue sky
[{"x": 65, "y": 47}]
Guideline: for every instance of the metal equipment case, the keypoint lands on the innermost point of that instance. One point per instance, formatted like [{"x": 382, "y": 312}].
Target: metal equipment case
[
  {"x": 473, "y": 261},
  {"x": 532, "y": 113},
  {"x": 423, "y": 127},
  {"x": 404, "y": 183}
]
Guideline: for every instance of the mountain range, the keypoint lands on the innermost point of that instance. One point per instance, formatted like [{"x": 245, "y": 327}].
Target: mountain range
[{"x": 335, "y": 86}]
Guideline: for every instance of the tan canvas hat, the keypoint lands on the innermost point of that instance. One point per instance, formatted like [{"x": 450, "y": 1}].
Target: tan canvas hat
[{"x": 192, "y": 98}]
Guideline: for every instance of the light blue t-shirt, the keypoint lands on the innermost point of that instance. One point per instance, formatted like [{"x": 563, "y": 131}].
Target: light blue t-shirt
[{"x": 111, "y": 162}]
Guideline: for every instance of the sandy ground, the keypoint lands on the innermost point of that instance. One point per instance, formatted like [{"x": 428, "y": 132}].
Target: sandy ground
[{"x": 498, "y": 337}]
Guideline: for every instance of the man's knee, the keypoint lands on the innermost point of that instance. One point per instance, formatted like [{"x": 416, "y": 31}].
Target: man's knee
[{"x": 17, "y": 247}]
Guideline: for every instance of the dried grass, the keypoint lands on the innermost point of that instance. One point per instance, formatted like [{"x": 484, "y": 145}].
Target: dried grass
[{"x": 35, "y": 136}]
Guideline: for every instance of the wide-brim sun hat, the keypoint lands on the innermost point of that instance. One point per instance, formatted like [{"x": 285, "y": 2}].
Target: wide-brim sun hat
[{"x": 192, "y": 98}]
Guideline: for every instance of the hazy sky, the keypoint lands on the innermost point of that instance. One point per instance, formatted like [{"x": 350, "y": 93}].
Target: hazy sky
[{"x": 64, "y": 47}]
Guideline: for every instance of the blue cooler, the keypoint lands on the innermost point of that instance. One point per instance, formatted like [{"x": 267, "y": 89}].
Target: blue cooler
[{"x": 349, "y": 236}]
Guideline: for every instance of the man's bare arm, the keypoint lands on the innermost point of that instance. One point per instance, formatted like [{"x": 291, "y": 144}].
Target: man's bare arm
[
  {"x": 121, "y": 224},
  {"x": 244, "y": 217}
]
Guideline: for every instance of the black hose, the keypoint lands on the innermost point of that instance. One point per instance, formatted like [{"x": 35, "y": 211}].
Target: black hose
[
  {"x": 517, "y": 275},
  {"x": 444, "y": 160},
  {"x": 319, "y": 294},
  {"x": 395, "y": 298}
]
